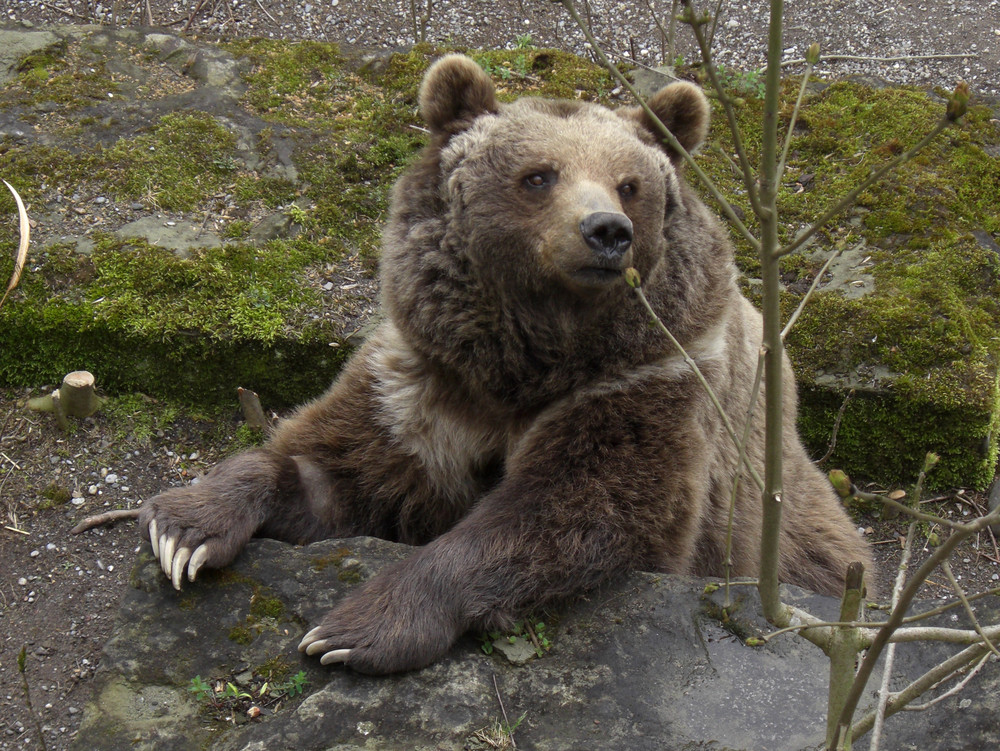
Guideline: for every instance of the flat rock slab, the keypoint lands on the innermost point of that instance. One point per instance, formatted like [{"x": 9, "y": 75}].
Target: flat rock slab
[{"x": 643, "y": 664}]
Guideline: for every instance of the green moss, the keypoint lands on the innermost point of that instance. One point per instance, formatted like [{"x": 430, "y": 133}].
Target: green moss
[
  {"x": 275, "y": 670},
  {"x": 350, "y": 576},
  {"x": 264, "y": 606},
  {"x": 54, "y": 495},
  {"x": 320, "y": 563},
  {"x": 142, "y": 318},
  {"x": 185, "y": 158},
  {"x": 241, "y": 635}
]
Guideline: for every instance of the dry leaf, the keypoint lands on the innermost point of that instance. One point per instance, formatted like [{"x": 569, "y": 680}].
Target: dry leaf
[{"x": 22, "y": 248}]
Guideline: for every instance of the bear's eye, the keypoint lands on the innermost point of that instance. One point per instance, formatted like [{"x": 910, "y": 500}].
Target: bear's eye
[
  {"x": 628, "y": 190},
  {"x": 540, "y": 180}
]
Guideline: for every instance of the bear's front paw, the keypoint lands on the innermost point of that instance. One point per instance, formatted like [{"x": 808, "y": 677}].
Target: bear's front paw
[
  {"x": 385, "y": 631},
  {"x": 187, "y": 531}
]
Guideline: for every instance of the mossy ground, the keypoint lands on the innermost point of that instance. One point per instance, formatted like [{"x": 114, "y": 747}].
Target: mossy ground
[{"x": 244, "y": 314}]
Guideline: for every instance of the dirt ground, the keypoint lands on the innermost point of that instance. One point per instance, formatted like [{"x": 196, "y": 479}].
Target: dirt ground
[{"x": 58, "y": 592}]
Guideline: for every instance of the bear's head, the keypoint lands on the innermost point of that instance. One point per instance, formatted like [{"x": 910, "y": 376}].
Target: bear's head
[
  {"x": 584, "y": 188},
  {"x": 504, "y": 252}
]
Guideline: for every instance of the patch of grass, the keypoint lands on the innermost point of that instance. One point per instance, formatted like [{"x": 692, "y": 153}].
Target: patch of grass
[{"x": 187, "y": 157}]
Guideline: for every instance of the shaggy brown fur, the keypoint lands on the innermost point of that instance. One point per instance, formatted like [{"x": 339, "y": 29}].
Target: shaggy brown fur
[{"x": 516, "y": 415}]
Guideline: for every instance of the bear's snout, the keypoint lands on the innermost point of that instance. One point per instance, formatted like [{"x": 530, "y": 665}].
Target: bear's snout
[{"x": 608, "y": 234}]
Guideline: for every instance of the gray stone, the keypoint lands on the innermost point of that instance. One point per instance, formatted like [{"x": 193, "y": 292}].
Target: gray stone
[
  {"x": 182, "y": 237},
  {"x": 16, "y": 45},
  {"x": 643, "y": 664}
]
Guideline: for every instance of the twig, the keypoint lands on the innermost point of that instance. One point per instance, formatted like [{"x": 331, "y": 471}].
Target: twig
[
  {"x": 951, "y": 691},
  {"x": 16, "y": 465},
  {"x": 930, "y": 679},
  {"x": 19, "y": 531},
  {"x": 701, "y": 379},
  {"x": 849, "y": 198},
  {"x": 946, "y": 567},
  {"x": 510, "y": 730},
  {"x": 896, "y": 59},
  {"x": 794, "y": 119},
  {"x": 836, "y": 427},
  {"x": 809, "y": 293},
  {"x": 890, "y": 656},
  {"x": 749, "y": 178},
  {"x": 65, "y": 12},
  {"x": 261, "y": 6},
  {"x": 106, "y": 518},
  {"x": 740, "y": 459},
  {"x": 194, "y": 14}
]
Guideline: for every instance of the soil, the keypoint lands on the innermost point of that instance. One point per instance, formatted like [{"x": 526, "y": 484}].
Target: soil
[{"x": 59, "y": 592}]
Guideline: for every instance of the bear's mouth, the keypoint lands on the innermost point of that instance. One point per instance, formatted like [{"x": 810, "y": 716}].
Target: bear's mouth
[{"x": 598, "y": 275}]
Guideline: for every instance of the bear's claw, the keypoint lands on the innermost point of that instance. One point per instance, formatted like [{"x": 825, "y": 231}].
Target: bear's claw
[
  {"x": 335, "y": 656},
  {"x": 174, "y": 561},
  {"x": 311, "y": 644}
]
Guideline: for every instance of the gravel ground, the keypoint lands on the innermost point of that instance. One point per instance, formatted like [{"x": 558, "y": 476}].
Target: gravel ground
[
  {"x": 58, "y": 593},
  {"x": 940, "y": 41}
]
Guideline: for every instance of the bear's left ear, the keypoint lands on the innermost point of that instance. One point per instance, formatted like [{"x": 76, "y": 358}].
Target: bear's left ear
[
  {"x": 455, "y": 91},
  {"x": 684, "y": 109}
]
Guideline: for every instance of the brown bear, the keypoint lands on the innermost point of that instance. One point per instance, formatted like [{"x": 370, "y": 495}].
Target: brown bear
[{"x": 516, "y": 415}]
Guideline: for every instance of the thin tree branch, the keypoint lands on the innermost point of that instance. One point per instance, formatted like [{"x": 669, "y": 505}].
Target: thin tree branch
[
  {"x": 721, "y": 200},
  {"x": 699, "y": 375},
  {"x": 809, "y": 293},
  {"x": 895, "y": 59},
  {"x": 851, "y": 196},
  {"x": 749, "y": 178}
]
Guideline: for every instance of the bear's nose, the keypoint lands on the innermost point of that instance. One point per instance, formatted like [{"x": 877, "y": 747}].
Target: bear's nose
[{"x": 607, "y": 234}]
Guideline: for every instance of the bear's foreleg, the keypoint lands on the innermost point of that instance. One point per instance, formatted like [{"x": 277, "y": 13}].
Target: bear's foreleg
[{"x": 594, "y": 489}]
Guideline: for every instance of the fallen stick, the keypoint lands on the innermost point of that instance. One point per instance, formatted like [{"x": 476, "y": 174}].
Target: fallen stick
[{"x": 106, "y": 518}]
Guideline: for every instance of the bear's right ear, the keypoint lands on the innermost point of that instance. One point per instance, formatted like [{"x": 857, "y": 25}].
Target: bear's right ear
[
  {"x": 455, "y": 91},
  {"x": 684, "y": 109}
]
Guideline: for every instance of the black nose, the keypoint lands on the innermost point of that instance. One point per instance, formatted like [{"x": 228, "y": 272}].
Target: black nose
[{"x": 608, "y": 234}]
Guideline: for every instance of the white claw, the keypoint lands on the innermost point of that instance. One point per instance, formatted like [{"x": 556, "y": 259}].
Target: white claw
[
  {"x": 197, "y": 560},
  {"x": 167, "y": 553},
  {"x": 177, "y": 570},
  {"x": 335, "y": 656},
  {"x": 317, "y": 646},
  {"x": 154, "y": 538},
  {"x": 309, "y": 638}
]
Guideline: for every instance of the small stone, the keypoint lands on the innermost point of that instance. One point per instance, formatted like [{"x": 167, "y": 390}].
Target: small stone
[
  {"x": 77, "y": 501},
  {"x": 22, "y": 582},
  {"x": 51, "y": 546},
  {"x": 111, "y": 479},
  {"x": 92, "y": 490},
  {"x": 34, "y": 553}
]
